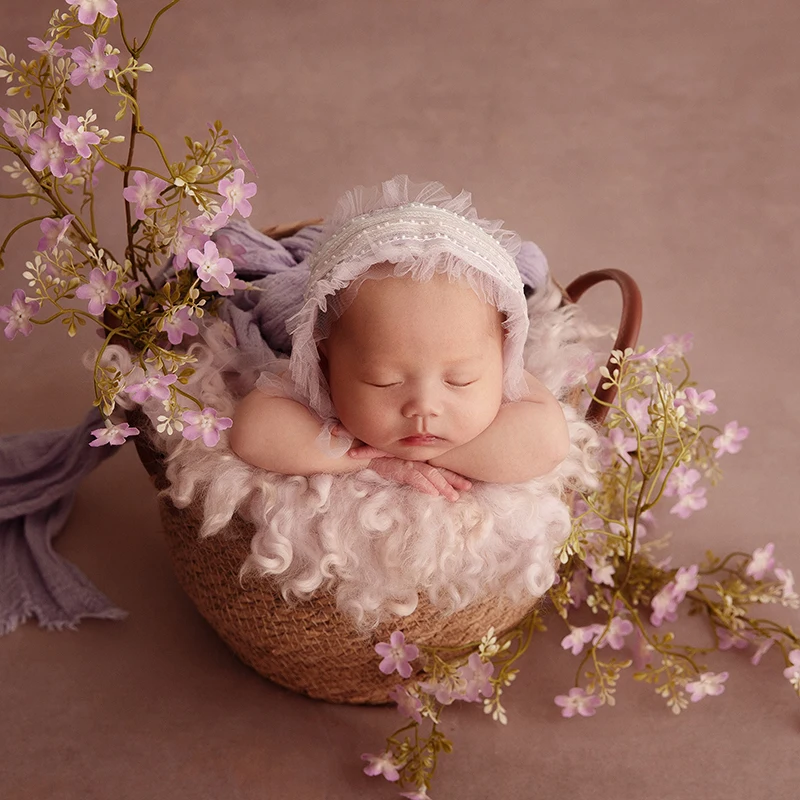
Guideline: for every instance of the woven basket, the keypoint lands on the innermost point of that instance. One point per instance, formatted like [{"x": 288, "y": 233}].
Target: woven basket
[{"x": 309, "y": 647}]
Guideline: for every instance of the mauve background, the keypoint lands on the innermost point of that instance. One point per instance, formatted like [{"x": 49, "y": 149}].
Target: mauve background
[{"x": 656, "y": 137}]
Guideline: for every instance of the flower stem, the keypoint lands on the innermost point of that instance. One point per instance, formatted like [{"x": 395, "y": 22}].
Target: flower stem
[
  {"x": 14, "y": 230},
  {"x": 138, "y": 50}
]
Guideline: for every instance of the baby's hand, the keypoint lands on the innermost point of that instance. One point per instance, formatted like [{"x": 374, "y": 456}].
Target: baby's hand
[{"x": 420, "y": 475}]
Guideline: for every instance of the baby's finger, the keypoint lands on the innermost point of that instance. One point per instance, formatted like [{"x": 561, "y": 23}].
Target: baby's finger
[
  {"x": 420, "y": 482},
  {"x": 366, "y": 451},
  {"x": 339, "y": 430},
  {"x": 403, "y": 472},
  {"x": 456, "y": 481},
  {"x": 439, "y": 481}
]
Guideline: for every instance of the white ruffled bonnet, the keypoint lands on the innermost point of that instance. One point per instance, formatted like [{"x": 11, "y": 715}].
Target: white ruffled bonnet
[{"x": 421, "y": 230}]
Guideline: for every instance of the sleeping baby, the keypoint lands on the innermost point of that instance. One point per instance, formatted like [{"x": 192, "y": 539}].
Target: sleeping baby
[
  {"x": 407, "y": 355},
  {"x": 402, "y": 454}
]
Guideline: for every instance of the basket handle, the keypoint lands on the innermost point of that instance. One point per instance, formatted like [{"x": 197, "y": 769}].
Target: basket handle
[{"x": 630, "y": 323}]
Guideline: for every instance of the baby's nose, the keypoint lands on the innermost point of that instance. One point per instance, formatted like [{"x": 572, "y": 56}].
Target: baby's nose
[{"x": 422, "y": 405}]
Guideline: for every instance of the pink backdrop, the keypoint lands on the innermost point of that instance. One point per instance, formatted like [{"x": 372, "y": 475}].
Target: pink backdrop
[{"x": 660, "y": 138}]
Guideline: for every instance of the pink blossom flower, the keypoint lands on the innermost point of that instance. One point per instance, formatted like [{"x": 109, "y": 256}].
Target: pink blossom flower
[
  {"x": 618, "y": 445},
  {"x": 762, "y": 648},
  {"x": 638, "y": 412},
  {"x": 92, "y": 65},
  {"x": 664, "y": 605},
  {"x": 128, "y": 289},
  {"x": 384, "y": 764},
  {"x": 89, "y": 9},
  {"x": 213, "y": 285},
  {"x": 236, "y": 193},
  {"x": 75, "y": 135},
  {"x": 113, "y": 434},
  {"x": 100, "y": 291},
  {"x": 50, "y": 151},
  {"x": 602, "y": 570},
  {"x": 420, "y": 794},
  {"x": 228, "y": 249},
  {"x": 237, "y": 154},
  {"x": 677, "y": 346},
  {"x": 578, "y": 637},
  {"x": 208, "y": 225},
  {"x": 13, "y": 127},
  {"x": 186, "y": 238},
  {"x": 793, "y": 672},
  {"x": 18, "y": 315},
  {"x": 640, "y": 650},
  {"x": 396, "y": 655},
  {"x": 708, "y": 684},
  {"x": 681, "y": 481},
  {"x": 649, "y": 355},
  {"x": 145, "y": 194},
  {"x": 408, "y": 705},
  {"x": 761, "y": 562},
  {"x": 696, "y": 403},
  {"x": 685, "y": 580},
  {"x": 87, "y": 171},
  {"x": 177, "y": 324},
  {"x": 475, "y": 674},
  {"x": 578, "y": 591},
  {"x": 205, "y": 423},
  {"x": 211, "y": 266},
  {"x": 728, "y": 640},
  {"x": 52, "y": 49},
  {"x": 786, "y": 577},
  {"x": 578, "y": 702},
  {"x": 689, "y": 503},
  {"x": 54, "y": 231},
  {"x": 618, "y": 629},
  {"x": 153, "y": 386},
  {"x": 730, "y": 440},
  {"x": 445, "y": 690},
  {"x": 663, "y": 563}
]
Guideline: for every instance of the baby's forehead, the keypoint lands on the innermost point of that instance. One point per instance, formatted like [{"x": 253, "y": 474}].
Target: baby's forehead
[{"x": 439, "y": 295}]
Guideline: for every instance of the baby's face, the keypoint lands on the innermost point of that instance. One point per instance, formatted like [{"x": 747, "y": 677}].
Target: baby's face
[{"x": 410, "y": 359}]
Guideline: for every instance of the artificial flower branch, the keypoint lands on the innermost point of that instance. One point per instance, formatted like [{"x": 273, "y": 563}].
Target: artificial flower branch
[
  {"x": 135, "y": 300},
  {"x": 653, "y": 447}
]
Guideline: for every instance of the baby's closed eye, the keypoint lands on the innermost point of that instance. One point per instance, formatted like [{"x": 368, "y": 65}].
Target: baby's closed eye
[{"x": 458, "y": 384}]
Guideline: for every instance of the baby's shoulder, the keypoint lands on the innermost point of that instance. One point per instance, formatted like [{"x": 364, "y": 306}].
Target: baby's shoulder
[{"x": 275, "y": 381}]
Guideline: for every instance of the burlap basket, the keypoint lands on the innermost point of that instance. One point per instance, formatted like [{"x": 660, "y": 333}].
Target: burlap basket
[{"x": 309, "y": 647}]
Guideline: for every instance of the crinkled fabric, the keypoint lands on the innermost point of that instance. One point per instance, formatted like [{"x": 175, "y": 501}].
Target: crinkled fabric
[{"x": 39, "y": 475}]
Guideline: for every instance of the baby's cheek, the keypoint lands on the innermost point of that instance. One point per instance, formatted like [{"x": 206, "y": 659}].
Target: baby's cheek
[
  {"x": 481, "y": 416},
  {"x": 358, "y": 416}
]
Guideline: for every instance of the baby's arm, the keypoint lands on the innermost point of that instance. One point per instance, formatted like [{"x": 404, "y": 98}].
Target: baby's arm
[
  {"x": 527, "y": 439},
  {"x": 279, "y": 435}
]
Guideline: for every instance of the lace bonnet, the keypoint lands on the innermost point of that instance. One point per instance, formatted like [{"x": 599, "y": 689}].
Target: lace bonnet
[{"x": 416, "y": 229}]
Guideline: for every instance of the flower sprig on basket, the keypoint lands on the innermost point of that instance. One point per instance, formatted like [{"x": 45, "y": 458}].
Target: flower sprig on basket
[
  {"x": 656, "y": 450},
  {"x": 477, "y": 672},
  {"x": 171, "y": 212}
]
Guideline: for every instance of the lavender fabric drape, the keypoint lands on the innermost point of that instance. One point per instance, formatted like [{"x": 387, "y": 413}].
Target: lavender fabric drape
[
  {"x": 40, "y": 471},
  {"x": 39, "y": 475}
]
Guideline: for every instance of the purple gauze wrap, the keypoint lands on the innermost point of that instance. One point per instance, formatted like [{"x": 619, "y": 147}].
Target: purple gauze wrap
[{"x": 40, "y": 471}]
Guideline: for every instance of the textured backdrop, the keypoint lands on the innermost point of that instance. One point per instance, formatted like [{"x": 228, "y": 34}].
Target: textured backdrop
[{"x": 656, "y": 137}]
